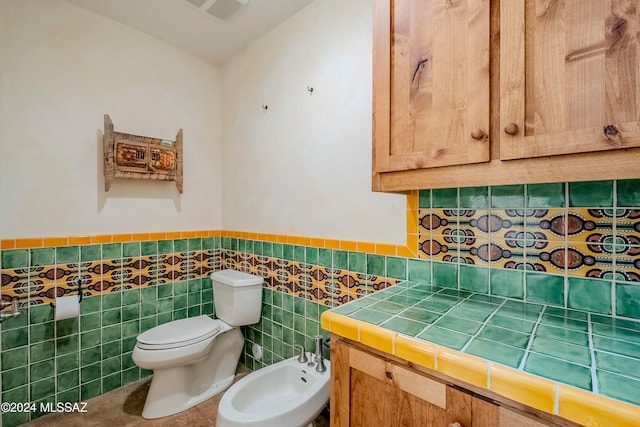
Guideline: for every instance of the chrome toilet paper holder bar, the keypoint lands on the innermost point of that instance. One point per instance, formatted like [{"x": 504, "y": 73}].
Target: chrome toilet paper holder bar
[
  {"x": 15, "y": 309},
  {"x": 79, "y": 282}
]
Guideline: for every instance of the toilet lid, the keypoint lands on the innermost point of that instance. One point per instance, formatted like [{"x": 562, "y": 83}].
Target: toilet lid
[{"x": 179, "y": 333}]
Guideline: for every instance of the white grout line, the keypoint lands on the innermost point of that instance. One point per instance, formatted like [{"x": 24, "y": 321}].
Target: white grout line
[
  {"x": 531, "y": 337},
  {"x": 486, "y": 321},
  {"x": 592, "y": 353}
]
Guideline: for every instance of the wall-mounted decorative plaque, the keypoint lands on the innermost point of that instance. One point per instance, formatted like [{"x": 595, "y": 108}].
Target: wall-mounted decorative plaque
[{"x": 140, "y": 157}]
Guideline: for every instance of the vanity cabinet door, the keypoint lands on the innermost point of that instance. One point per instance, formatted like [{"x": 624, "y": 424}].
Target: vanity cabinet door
[
  {"x": 569, "y": 77},
  {"x": 431, "y": 84}
]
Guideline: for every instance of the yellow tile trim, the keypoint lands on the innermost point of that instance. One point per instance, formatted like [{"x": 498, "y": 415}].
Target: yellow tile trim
[
  {"x": 377, "y": 337},
  {"x": 344, "y": 326},
  {"x": 592, "y": 410},
  {"x": 325, "y": 320},
  {"x": 462, "y": 366},
  {"x": 28, "y": 243},
  {"x": 417, "y": 351},
  {"x": 524, "y": 388}
]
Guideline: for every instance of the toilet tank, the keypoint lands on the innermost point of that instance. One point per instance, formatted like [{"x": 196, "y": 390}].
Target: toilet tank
[{"x": 237, "y": 297}]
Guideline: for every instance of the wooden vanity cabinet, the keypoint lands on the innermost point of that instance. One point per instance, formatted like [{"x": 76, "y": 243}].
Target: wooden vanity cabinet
[
  {"x": 368, "y": 389},
  {"x": 492, "y": 92}
]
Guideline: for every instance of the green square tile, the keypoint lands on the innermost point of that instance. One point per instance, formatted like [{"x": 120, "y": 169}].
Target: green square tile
[
  {"x": 507, "y": 283},
  {"x": 15, "y": 418},
  {"x": 110, "y": 317},
  {"x": 497, "y": 352},
  {"x": 618, "y": 387},
  {"x": 181, "y": 245},
  {"x": 165, "y": 247},
  {"x": 507, "y": 196},
  {"x": 419, "y": 270},
  {"x": 513, "y": 338},
  {"x": 208, "y": 243},
  {"x": 67, "y": 327},
  {"x": 15, "y": 378},
  {"x": 562, "y": 350},
  {"x": 474, "y": 198},
  {"x": 90, "y": 373},
  {"x": 14, "y": 338},
  {"x": 16, "y": 322},
  {"x": 110, "y": 333},
  {"x": 287, "y": 252},
  {"x": 404, "y": 326},
  {"x": 111, "y": 349},
  {"x": 628, "y": 300},
  {"x": 562, "y": 334},
  {"x": 375, "y": 265},
  {"x": 111, "y": 300},
  {"x": 558, "y": 370},
  {"x": 41, "y": 332},
  {"x": 18, "y": 394},
  {"x": 130, "y": 375},
  {"x": 90, "y": 389},
  {"x": 545, "y": 195},
  {"x": 445, "y": 337},
  {"x": 90, "y": 253},
  {"x": 618, "y": 364},
  {"x": 131, "y": 296},
  {"x": 258, "y": 248},
  {"x": 41, "y": 351},
  {"x": 445, "y": 275},
  {"x": 111, "y": 251},
  {"x": 589, "y": 294},
  {"x": 67, "y": 254},
  {"x": 90, "y": 356},
  {"x": 41, "y": 370},
  {"x": 444, "y": 198},
  {"x": 545, "y": 288},
  {"x": 460, "y": 325},
  {"x": 41, "y": 389},
  {"x": 325, "y": 257},
  {"x": 278, "y": 250},
  {"x": 467, "y": 312},
  {"x": 311, "y": 255},
  {"x": 591, "y": 194},
  {"x": 70, "y": 395},
  {"x": 132, "y": 249},
  {"x": 41, "y": 256},
  {"x": 341, "y": 260},
  {"x": 628, "y": 192},
  {"x": 397, "y": 268},
  {"x": 40, "y": 314},
  {"x": 267, "y": 249},
  {"x": 298, "y": 253},
  {"x": 424, "y": 199},
  {"x": 15, "y": 358},
  {"x": 67, "y": 344},
  {"x": 474, "y": 279},
  {"x": 15, "y": 258},
  {"x": 420, "y": 315},
  {"x": 67, "y": 362},
  {"x": 387, "y": 307},
  {"x": 357, "y": 262},
  {"x": 165, "y": 290},
  {"x": 92, "y": 304},
  {"x": 194, "y": 244}
]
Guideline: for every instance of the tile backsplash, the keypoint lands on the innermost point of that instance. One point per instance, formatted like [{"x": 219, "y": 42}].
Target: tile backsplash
[{"x": 574, "y": 245}]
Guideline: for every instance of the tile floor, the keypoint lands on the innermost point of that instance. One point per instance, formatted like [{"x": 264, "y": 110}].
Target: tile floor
[{"x": 123, "y": 408}]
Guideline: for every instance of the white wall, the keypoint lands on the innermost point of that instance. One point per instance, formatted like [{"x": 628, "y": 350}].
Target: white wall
[
  {"x": 61, "y": 69},
  {"x": 303, "y": 166}
]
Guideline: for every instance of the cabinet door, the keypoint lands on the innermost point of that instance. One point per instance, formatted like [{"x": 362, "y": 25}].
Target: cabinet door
[
  {"x": 569, "y": 76},
  {"x": 431, "y": 83}
]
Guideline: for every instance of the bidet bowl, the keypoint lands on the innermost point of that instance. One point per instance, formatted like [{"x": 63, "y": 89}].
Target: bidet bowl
[{"x": 287, "y": 393}]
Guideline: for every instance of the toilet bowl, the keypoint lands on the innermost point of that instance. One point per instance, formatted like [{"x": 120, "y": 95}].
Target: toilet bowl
[
  {"x": 196, "y": 358},
  {"x": 285, "y": 394}
]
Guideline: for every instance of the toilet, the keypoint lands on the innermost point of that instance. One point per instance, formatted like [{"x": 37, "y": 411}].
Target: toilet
[{"x": 196, "y": 358}]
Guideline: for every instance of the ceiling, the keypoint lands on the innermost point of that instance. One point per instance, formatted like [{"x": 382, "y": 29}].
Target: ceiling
[{"x": 182, "y": 24}]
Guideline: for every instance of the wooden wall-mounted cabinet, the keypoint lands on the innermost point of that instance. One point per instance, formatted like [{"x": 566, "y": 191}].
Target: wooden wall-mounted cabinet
[
  {"x": 370, "y": 390},
  {"x": 480, "y": 92}
]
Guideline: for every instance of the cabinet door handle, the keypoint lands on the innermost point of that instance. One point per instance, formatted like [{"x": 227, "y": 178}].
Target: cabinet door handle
[
  {"x": 478, "y": 134},
  {"x": 511, "y": 129},
  {"x": 455, "y": 425}
]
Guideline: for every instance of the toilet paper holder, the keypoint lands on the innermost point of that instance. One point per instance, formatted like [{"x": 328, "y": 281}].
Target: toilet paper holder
[{"x": 79, "y": 282}]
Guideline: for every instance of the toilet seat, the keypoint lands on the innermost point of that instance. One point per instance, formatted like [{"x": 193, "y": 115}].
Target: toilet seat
[{"x": 181, "y": 333}]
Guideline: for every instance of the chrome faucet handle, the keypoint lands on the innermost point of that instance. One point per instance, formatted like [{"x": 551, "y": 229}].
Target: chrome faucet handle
[
  {"x": 320, "y": 366},
  {"x": 302, "y": 358}
]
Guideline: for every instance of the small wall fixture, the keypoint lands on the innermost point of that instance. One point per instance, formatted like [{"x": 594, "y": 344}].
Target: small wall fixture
[{"x": 220, "y": 9}]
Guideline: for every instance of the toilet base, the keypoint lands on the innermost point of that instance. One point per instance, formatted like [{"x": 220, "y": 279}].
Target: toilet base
[{"x": 179, "y": 388}]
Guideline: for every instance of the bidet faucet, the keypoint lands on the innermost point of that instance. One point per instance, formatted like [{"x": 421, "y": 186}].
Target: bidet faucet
[
  {"x": 302, "y": 358},
  {"x": 320, "y": 367}
]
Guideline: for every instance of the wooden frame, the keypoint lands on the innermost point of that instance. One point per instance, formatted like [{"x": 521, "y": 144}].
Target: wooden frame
[{"x": 139, "y": 157}]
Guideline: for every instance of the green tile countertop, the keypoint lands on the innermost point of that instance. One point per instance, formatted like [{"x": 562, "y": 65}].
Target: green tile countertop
[{"x": 600, "y": 354}]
